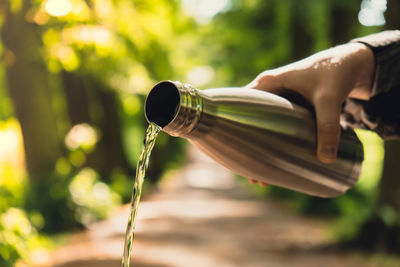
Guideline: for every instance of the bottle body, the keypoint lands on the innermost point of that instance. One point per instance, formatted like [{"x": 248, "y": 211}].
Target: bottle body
[{"x": 259, "y": 136}]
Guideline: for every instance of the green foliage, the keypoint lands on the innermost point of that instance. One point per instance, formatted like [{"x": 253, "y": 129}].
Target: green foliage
[
  {"x": 70, "y": 201},
  {"x": 113, "y": 52},
  {"x": 6, "y": 108},
  {"x": 19, "y": 238},
  {"x": 58, "y": 204},
  {"x": 125, "y": 46},
  {"x": 103, "y": 56}
]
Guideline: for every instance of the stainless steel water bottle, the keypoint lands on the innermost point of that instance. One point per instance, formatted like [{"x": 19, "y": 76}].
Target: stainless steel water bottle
[{"x": 256, "y": 134}]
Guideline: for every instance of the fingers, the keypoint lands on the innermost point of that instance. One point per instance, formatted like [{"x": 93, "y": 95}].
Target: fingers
[
  {"x": 328, "y": 128},
  {"x": 304, "y": 79},
  {"x": 252, "y": 181}
]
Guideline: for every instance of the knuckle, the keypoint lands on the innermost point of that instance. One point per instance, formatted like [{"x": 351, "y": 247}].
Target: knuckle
[{"x": 325, "y": 97}]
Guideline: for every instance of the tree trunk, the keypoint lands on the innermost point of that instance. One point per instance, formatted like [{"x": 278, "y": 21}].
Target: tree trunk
[
  {"x": 390, "y": 183},
  {"x": 301, "y": 39},
  {"x": 28, "y": 87},
  {"x": 392, "y": 15},
  {"x": 344, "y": 23},
  {"x": 90, "y": 101},
  {"x": 76, "y": 97},
  {"x": 109, "y": 154},
  {"x": 382, "y": 230}
]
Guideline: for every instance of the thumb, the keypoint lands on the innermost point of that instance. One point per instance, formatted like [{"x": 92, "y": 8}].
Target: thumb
[{"x": 328, "y": 129}]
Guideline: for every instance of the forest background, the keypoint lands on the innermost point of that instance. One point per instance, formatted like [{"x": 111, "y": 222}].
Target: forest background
[{"x": 73, "y": 78}]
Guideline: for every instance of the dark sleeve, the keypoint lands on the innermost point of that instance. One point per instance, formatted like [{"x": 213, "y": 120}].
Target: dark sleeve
[
  {"x": 386, "y": 48},
  {"x": 381, "y": 113}
]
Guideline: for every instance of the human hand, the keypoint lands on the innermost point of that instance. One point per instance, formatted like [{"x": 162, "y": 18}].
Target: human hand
[{"x": 325, "y": 79}]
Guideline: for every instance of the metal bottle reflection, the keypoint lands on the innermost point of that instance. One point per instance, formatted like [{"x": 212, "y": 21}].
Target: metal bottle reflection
[{"x": 256, "y": 134}]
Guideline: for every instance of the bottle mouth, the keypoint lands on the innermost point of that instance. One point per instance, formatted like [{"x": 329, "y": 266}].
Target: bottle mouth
[{"x": 162, "y": 103}]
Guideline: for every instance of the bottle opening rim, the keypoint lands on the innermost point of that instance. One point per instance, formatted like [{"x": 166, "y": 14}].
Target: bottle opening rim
[{"x": 162, "y": 103}]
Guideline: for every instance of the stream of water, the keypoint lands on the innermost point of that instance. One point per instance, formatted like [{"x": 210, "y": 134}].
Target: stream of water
[{"x": 149, "y": 141}]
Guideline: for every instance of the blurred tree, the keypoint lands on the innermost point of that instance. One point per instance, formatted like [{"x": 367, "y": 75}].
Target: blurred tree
[
  {"x": 85, "y": 94},
  {"x": 77, "y": 72},
  {"x": 381, "y": 231},
  {"x": 76, "y": 97},
  {"x": 344, "y": 23},
  {"x": 99, "y": 52},
  {"x": 28, "y": 86},
  {"x": 392, "y": 15}
]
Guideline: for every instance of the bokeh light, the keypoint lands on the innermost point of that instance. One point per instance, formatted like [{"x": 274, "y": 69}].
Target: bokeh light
[
  {"x": 204, "y": 10},
  {"x": 81, "y": 135},
  {"x": 200, "y": 75},
  {"x": 371, "y": 12},
  {"x": 58, "y": 8}
]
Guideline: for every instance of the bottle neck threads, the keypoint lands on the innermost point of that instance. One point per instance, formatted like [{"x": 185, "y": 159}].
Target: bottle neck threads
[{"x": 174, "y": 106}]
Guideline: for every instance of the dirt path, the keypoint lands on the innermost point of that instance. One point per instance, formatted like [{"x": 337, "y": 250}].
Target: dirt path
[{"x": 200, "y": 216}]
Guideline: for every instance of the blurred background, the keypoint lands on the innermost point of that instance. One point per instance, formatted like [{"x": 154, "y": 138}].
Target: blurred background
[{"x": 73, "y": 78}]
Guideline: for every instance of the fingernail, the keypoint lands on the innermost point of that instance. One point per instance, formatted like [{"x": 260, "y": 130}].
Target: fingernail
[{"x": 328, "y": 153}]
